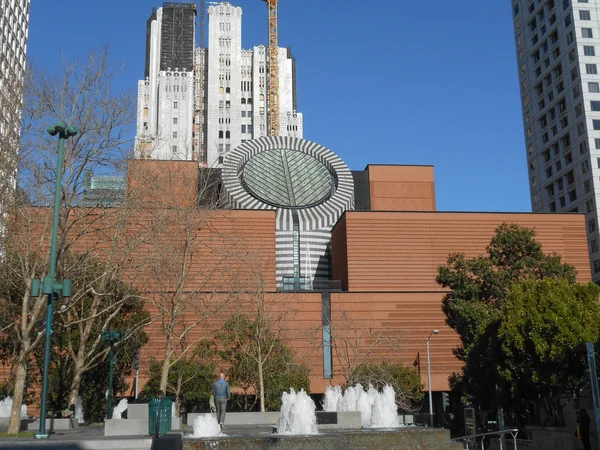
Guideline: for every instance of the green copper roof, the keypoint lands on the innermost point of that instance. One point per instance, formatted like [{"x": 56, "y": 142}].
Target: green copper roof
[{"x": 287, "y": 178}]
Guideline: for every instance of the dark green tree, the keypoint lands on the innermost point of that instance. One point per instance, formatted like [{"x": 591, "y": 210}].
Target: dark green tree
[
  {"x": 478, "y": 288},
  {"x": 544, "y": 326},
  {"x": 244, "y": 343}
]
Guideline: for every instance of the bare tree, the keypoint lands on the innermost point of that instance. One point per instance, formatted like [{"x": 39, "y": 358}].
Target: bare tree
[
  {"x": 262, "y": 322},
  {"x": 80, "y": 94},
  {"x": 187, "y": 259}
]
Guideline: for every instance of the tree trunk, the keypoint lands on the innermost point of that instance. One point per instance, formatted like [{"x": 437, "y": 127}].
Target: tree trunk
[
  {"x": 75, "y": 384},
  {"x": 14, "y": 424},
  {"x": 261, "y": 385},
  {"x": 164, "y": 374}
]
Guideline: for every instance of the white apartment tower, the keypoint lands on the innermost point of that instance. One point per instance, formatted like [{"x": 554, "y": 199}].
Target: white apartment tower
[
  {"x": 558, "y": 53},
  {"x": 165, "y": 114},
  {"x": 14, "y": 29},
  {"x": 236, "y": 87},
  {"x": 229, "y": 89}
]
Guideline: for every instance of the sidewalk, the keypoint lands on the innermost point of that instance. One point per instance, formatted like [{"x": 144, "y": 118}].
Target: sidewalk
[{"x": 81, "y": 438}]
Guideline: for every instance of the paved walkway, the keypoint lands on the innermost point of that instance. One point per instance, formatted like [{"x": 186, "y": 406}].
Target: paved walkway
[{"x": 81, "y": 438}]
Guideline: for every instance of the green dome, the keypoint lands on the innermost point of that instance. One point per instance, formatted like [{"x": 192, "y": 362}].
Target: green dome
[{"x": 287, "y": 179}]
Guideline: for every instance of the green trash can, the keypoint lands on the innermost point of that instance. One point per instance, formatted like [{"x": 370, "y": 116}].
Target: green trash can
[{"x": 160, "y": 412}]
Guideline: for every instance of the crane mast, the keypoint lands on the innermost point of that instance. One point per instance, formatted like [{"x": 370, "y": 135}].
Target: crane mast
[{"x": 273, "y": 55}]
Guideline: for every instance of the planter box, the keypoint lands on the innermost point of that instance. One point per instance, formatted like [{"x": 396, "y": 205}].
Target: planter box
[
  {"x": 137, "y": 411},
  {"x": 54, "y": 424}
]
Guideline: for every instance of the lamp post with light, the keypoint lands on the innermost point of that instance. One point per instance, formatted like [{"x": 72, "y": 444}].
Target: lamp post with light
[
  {"x": 50, "y": 286},
  {"x": 429, "y": 378}
]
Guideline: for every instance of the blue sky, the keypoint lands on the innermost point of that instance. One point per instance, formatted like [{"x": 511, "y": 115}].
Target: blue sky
[{"x": 387, "y": 82}]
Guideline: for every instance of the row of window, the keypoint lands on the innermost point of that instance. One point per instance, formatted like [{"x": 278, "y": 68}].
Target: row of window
[{"x": 227, "y": 134}]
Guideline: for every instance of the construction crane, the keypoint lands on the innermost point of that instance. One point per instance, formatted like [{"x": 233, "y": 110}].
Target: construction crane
[{"x": 273, "y": 55}]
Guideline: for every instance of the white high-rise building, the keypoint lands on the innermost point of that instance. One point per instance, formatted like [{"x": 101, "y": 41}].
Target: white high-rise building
[
  {"x": 14, "y": 29},
  {"x": 165, "y": 122},
  {"x": 207, "y": 108},
  {"x": 558, "y": 53},
  {"x": 236, "y": 88}
]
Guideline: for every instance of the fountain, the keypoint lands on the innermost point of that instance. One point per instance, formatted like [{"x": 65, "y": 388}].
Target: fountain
[
  {"x": 297, "y": 414},
  {"x": 377, "y": 410},
  {"x": 119, "y": 409},
  {"x": 6, "y": 407},
  {"x": 206, "y": 426},
  {"x": 79, "y": 410},
  {"x": 385, "y": 412}
]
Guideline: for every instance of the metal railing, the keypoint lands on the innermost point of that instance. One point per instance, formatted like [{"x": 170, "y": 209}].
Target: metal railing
[
  {"x": 549, "y": 443},
  {"x": 472, "y": 439}
]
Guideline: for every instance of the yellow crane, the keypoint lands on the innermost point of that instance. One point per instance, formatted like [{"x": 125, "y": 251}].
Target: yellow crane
[{"x": 273, "y": 55}]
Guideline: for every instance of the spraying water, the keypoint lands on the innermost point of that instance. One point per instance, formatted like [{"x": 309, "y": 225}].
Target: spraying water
[
  {"x": 297, "y": 414},
  {"x": 385, "y": 412},
  {"x": 377, "y": 410},
  {"x": 79, "y": 410},
  {"x": 120, "y": 409},
  {"x": 206, "y": 425},
  {"x": 6, "y": 407}
]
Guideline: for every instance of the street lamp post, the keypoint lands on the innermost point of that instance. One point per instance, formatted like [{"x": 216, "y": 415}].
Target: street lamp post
[
  {"x": 111, "y": 336},
  {"x": 50, "y": 286},
  {"x": 429, "y": 378}
]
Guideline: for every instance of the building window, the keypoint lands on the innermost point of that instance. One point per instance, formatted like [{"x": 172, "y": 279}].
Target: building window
[
  {"x": 174, "y": 134},
  {"x": 586, "y": 187},
  {"x": 591, "y": 225},
  {"x": 584, "y": 15},
  {"x": 589, "y": 205},
  {"x": 243, "y": 113},
  {"x": 587, "y": 33},
  {"x": 588, "y": 50},
  {"x": 585, "y": 167},
  {"x": 595, "y": 105},
  {"x": 594, "y": 245},
  {"x": 596, "y": 266},
  {"x": 571, "y": 177},
  {"x": 583, "y": 146},
  {"x": 243, "y": 128},
  {"x": 573, "y": 195},
  {"x": 594, "y": 87},
  {"x": 596, "y": 124},
  {"x": 174, "y": 120},
  {"x": 174, "y": 148},
  {"x": 549, "y": 172},
  {"x": 591, "y": 69},
  {"x": 221, "y": 134},
  {"x": 228, "y": 90},
  {"x": 553, "y": 207},
  {"x": 228, "y": 134},
  {"x": 563, "y": 202},
  {"x": 175, "y": 105},
  {"x": 568, "y": 158},
  {"x": 243, "y": 101}
]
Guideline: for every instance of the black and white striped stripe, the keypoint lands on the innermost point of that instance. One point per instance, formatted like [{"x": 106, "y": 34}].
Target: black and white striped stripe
[{"x": 315, "y": 222}]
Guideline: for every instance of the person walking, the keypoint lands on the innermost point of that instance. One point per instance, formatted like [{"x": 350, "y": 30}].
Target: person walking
[
  {"x": 584, "y": 429},
  {"x": 222, "y": 393}
]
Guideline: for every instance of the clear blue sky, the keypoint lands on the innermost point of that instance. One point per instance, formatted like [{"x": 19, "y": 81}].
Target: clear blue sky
[{"x": 397, "y": 82}]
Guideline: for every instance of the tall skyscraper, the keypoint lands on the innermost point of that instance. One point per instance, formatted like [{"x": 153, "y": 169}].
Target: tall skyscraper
[
  {"x": 165, "y": 121},
  {"x": 228, "y": 105},
  {"x": 14, "y": 29},
  {"x": 558, "y": 53}
]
